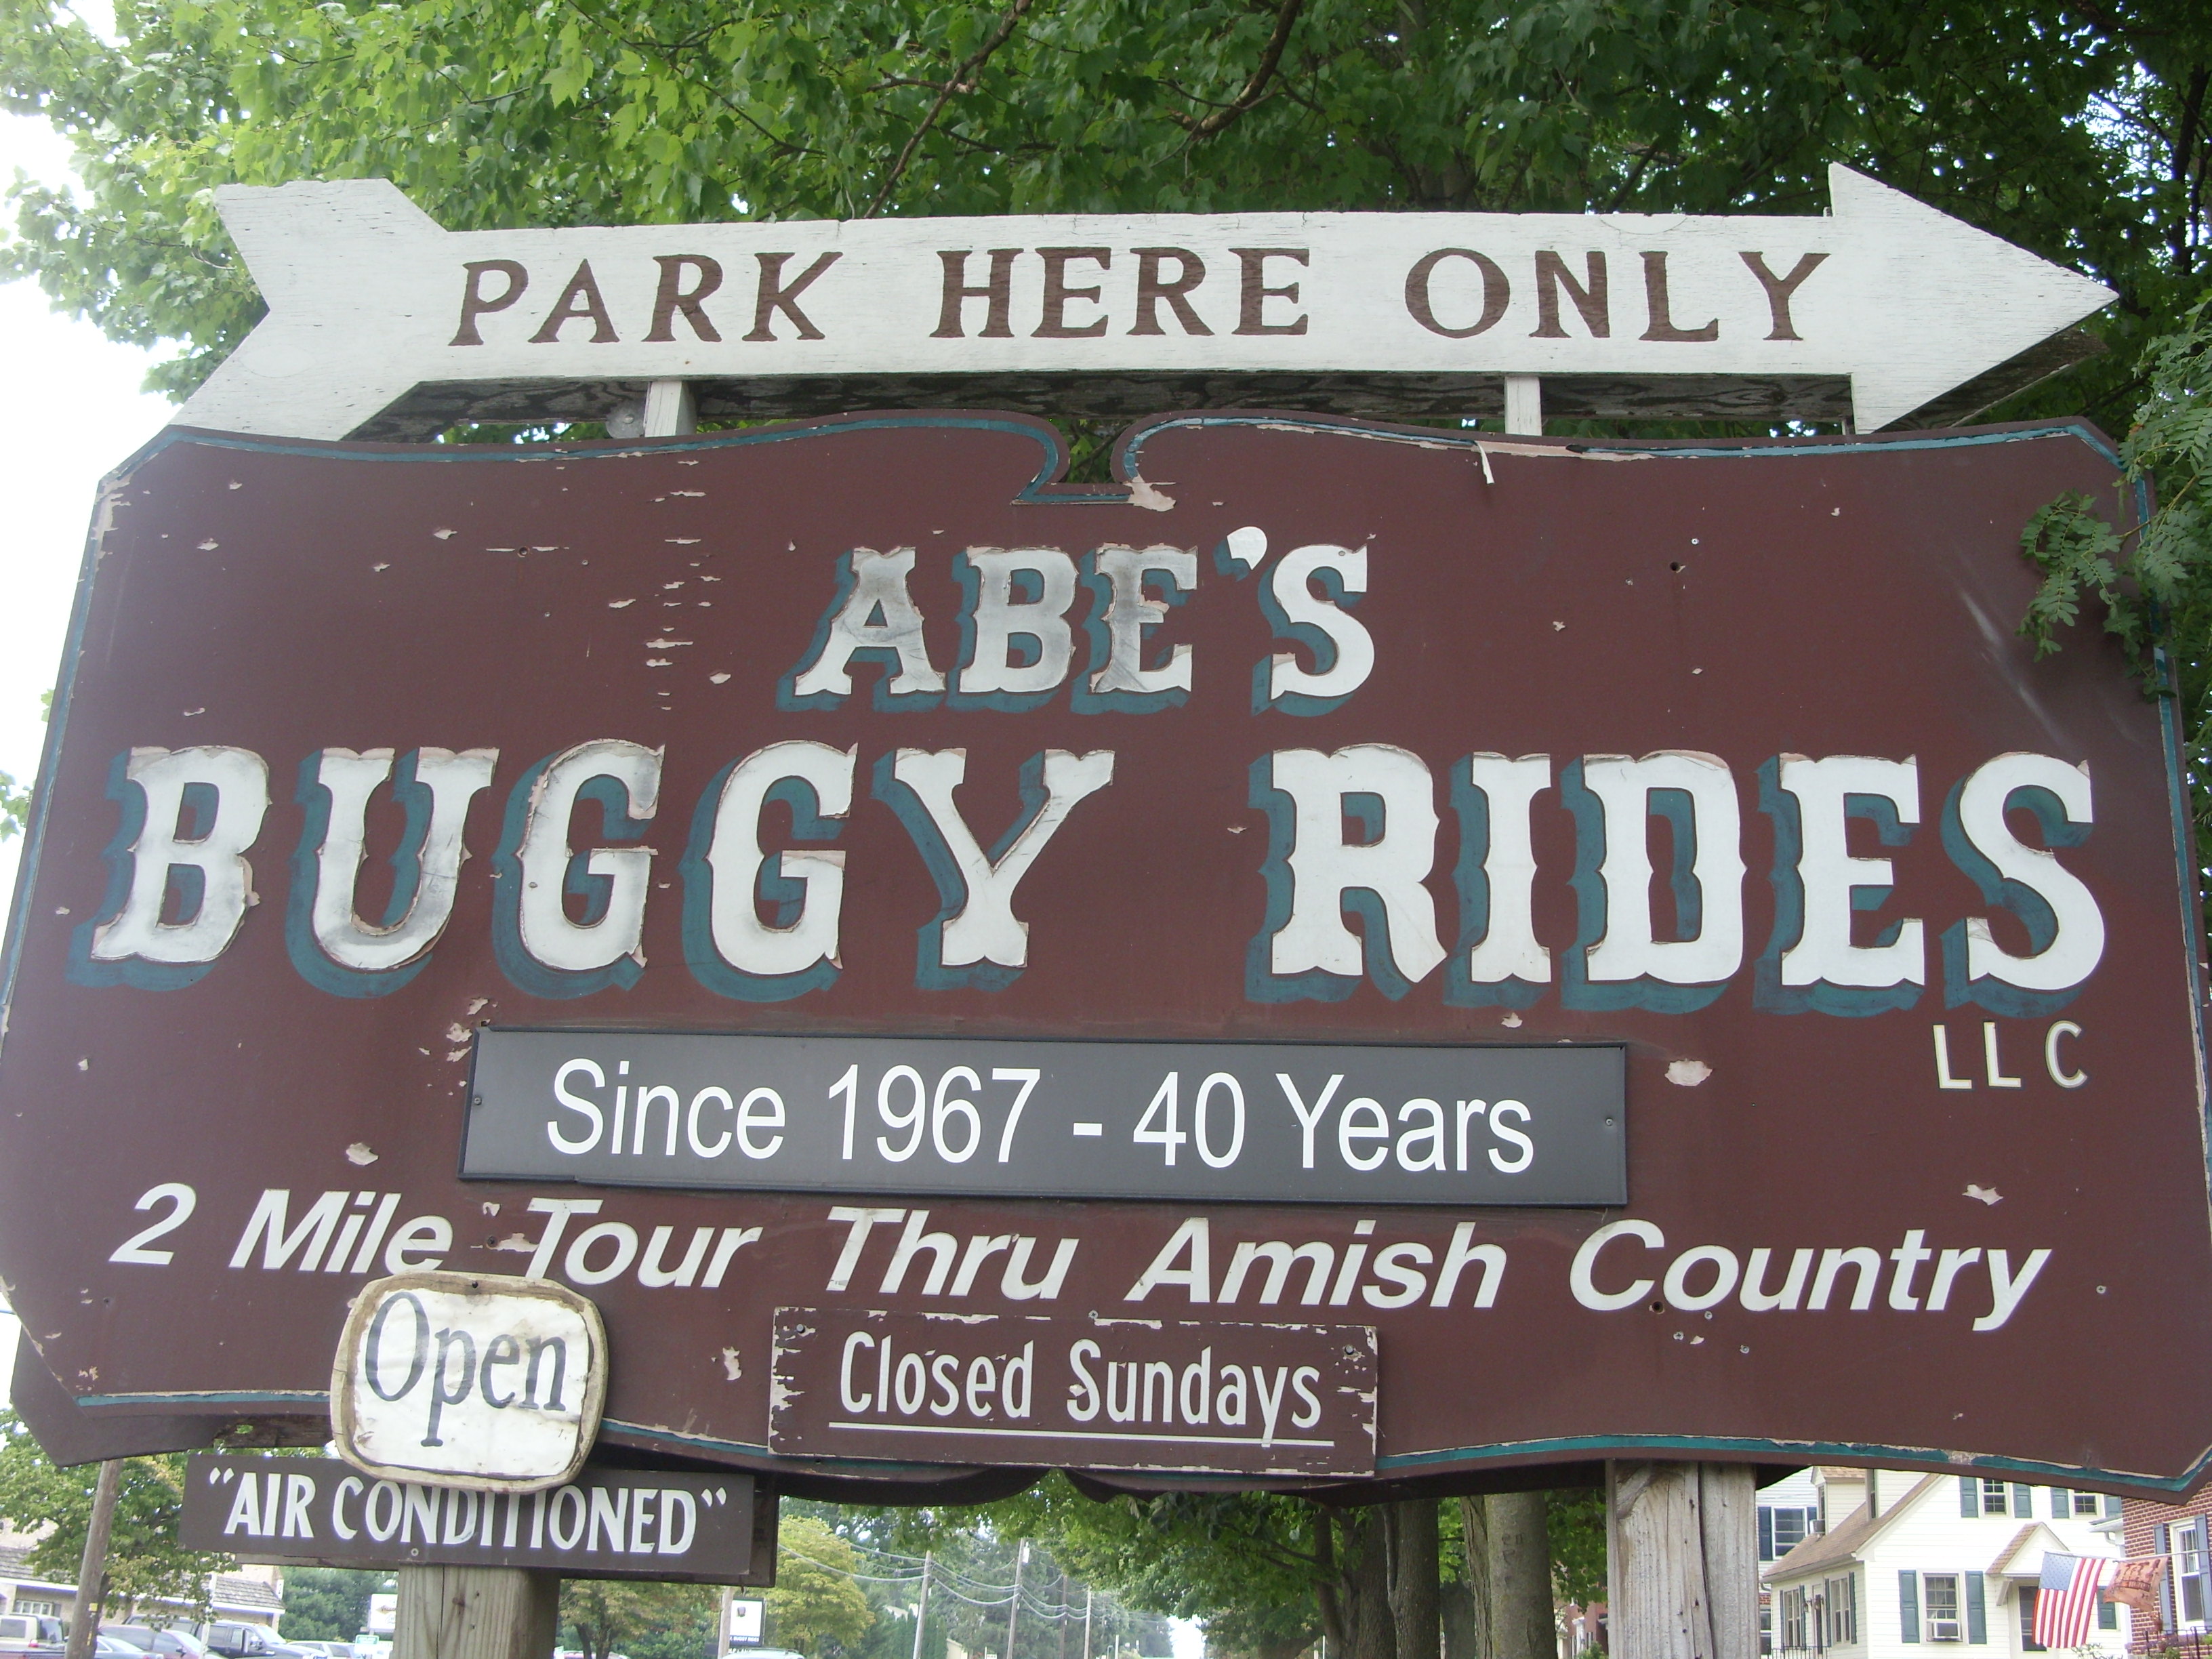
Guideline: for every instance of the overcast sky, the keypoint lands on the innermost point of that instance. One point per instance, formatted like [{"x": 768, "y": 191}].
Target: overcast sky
[{"x": 75, "y": 411}]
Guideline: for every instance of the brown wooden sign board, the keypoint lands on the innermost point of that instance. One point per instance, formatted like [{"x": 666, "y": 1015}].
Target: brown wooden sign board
[
  {"x": 1177, "y": 1395},
  {"x": 605, "y": 1523},
  {"x": 1725, "y": 757}
]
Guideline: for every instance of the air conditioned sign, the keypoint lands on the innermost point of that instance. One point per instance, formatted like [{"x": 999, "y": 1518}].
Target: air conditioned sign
[
  {"x": 605, "y": 1523},
  {"x": 1640, "y": 908}
]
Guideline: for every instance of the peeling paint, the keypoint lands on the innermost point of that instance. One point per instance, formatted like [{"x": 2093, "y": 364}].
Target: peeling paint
[
  {"x": 490, "y": 1207},
  {"x": 732, "y": 1366},
  {"x": 360, "y": 1154},
  {"x": 718, "y": 679},
  {"x": 457, "y": 1032},
  {"x": 617, "y": 604},
  {"x": 1987, "y": 1194},
  {"x": 1149, "y": 496},
  {"x": 517, "y": 1243},
  {"x": 210, "y": 545},
  {"x": 1687, "y": 1073},
  {"x": 442, "y": 533}
]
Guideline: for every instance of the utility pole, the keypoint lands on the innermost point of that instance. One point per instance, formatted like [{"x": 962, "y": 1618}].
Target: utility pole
[
  {"x": 921, "y": 1608},
  {"x": 92, "y": 1569},
  {"x": 1013, "y": 1606},
  {"x": 1089, "y": 1596}
]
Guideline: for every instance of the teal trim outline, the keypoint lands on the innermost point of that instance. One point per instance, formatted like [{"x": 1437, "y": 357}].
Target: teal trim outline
[
  {"x": 2033, "y": 911},
  {"x": 1310, "y": 636},
  {"x": 189, "y": 884},
  {"x": 1081, "y": 698},
  {"x": 1577, "y": 989},
  {"x": 707, "y": 965},
  {"x": 524, "y": 971},
  {"x": 930, "y": 971},
  {"x": 308, "y": 959},
  {"x": 1007, "y": 702},
  {"x": 1471, "y": 881},
  {"x": 1566, "y": 1448},
  {"x": 1768, "y": 994}
]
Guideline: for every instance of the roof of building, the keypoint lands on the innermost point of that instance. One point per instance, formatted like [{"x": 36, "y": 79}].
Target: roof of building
[
  {"x": 14, "y": 1565},
  {"x": 1847, "y": 1541},
  {"x": 229, "y": 1592},
  {"x": 2009, "y": 1563}
]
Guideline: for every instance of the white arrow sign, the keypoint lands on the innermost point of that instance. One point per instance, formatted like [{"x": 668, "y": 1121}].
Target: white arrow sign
[{"x": 369, "y": 299}]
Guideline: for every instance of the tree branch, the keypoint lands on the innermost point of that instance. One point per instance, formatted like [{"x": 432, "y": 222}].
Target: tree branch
[
  {"x": 1255, "y": 88},
  {"x": 957, "y": 81}
]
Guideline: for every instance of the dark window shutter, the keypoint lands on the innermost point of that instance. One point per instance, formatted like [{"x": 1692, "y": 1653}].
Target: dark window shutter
[
  {"x": 1970, "y": 1494},
  {"x": 2023, "y": 1503},
  {"x": 2061, "y": 1504},
  {"x": 2108, "y": 1614},
  {"x": 2164, "y": 1535},
  {"x": 1765, "y": 1533},
  {"x": 2111, "y": 1507},
  {"x": 1908, "y": 1605},
  {"x": 1978, "y": 1624}
]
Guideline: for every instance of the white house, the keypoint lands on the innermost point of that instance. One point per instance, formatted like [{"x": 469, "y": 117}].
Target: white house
[{"x": 1907, "y": 1563}]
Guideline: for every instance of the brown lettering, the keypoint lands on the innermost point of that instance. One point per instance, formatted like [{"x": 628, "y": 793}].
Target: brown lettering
[
  {"x": 1496, "y": 292},
  {"x": 1253, "y": 301},
  {"x": 1552, "y": 275},
  {"x": 672, "y": 296},
  {"x": 1779, "y": 289},
  {"x": 1190, "y": 271},
  {"x": 770, "y": 298},
  {"x": 475, "y": 305},
  {"x": 1054, "y": 325},
  {"x": 579, "y": 300},
  {"x": 1654, "y": 298},
  {"x": 998, "y": 292}
]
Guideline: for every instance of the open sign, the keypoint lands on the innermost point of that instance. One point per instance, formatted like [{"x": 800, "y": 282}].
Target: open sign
[{"x": 469, "y": 1379}]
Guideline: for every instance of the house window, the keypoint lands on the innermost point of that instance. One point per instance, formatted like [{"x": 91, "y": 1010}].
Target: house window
[
  {"x": 2189, "y": 1570},
  {"x": 1994, "y": 1498},
  {"x": 2085, "y": 1502},
  {"x": 1766, "y": 1628},
  {"x": 1939, "y": 1598},
  {"x": 2028, "y": 1596},
  {"x": 1781, "y": 1529},
  {"x": 2108, "y": 1614},
  {"x": 1793, "y": 1619},
  {"x": 37, "y": 1608},
  {"x": 1841, "y": 1598}
]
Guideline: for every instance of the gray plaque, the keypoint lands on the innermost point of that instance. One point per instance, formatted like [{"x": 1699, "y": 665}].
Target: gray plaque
[{"x": 1323, "y": 1124}]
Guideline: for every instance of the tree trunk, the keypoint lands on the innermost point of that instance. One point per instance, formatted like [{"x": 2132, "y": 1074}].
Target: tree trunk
[
  {"x": 1465, "y": 1600},
  {"x": 1327, "y": 1590},
  {"x": 1413, "y": 1532},
  {"x": 1374, "y": 1634},
  {"x": 1524, "y": 1625}
]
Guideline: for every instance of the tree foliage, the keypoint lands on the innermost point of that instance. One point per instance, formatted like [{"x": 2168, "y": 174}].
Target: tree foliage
[
  {"x": 145, "y": 1563},
  {"x": 328, "y": 1604},
  {"x": 604, "y": 1616},
  {"x": 815, "y": 1606}
]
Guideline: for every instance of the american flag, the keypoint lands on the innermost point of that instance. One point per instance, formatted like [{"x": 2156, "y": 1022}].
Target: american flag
[{"x": 2068, "y": 1597}]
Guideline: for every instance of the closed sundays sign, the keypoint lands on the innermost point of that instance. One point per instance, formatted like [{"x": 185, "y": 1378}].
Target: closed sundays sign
[{"x": 961, "y": 968}]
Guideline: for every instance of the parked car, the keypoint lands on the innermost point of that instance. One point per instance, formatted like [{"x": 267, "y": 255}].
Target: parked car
[
  {"x": 30, "y": 1632},
  {"x": 163, "y": 1644},
  {"x": 236, "y": 1640},
  {"x": 108, "y": 1645}
]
